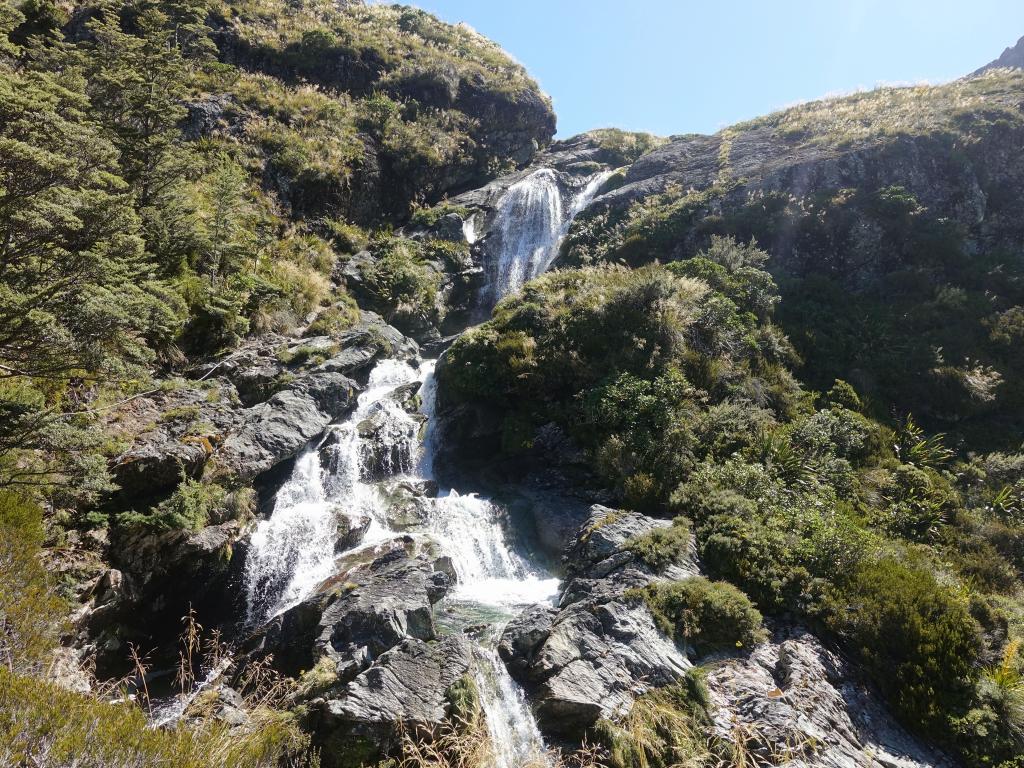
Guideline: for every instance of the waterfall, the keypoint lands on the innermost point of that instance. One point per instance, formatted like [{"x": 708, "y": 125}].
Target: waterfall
[
  {"x": 529, "y": 225},
  {"x": 491, "y": 575},
  {"x": 514, "y": 734},
  {"x": 293, "y": 550}
]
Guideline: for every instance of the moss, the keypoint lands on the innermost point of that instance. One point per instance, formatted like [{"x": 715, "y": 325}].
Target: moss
[
  {"x": 463, "y": 699},
  {"x": 318, "y": 680},
  {"x": 181, "y": 413}
]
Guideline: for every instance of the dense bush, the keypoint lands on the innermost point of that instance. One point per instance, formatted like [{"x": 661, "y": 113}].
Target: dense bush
[
  {"x": 916, "y": 638},
  {"x": 29, "y": 613},
  {"x": 650, "y": 369},
  {"x": 709, "y": 615},
  {"x": 400, "y": 282},
  {"x": 678, "y": 386}
]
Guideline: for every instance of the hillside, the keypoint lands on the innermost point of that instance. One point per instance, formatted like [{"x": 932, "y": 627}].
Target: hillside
[
  {"x": 348, "y": 420},
  {"x": 891, "y": 219}
]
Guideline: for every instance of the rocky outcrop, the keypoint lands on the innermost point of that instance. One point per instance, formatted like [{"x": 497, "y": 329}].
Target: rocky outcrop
[
  {"x": 313, "y": 383},
  {"x": 172, "y": 434},
  {"x": 477, "y": 106},
  {"x": 793, "y": 701},
  {"x": 156, "y": 579},
  {"x": 590, "y": 657},
  {"x": 959, "y": 168},
  {"x": 373, "y": 603},
  {"x": 254, "y": 408},
  {"x": 1012, "y": 57},
  {"x": 372, "y": 626},
  {"x": 408, "y": 690},
  {"x": 601, "y": 546},
  {"x": 277, "y": 429}
]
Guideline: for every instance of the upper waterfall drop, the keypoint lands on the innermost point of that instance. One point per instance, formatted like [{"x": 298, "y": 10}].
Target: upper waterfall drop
[{"x": 529, "y": 224}]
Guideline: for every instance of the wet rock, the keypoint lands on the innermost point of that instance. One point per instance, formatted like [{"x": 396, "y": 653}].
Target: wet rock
[
  {"x": 797, "y": 702},
  {"x": 408, "y": 503},
  {"x": 390, "y": 433},
  {"x": 350, "y": 529},
  {"x": 523, "y": 636},
  {"x": 278, "y": 429},
  {"x": 409, "y": 687}
]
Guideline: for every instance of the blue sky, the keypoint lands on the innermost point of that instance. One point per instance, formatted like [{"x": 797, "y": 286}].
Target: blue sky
[{"x": 678, "y": 66}]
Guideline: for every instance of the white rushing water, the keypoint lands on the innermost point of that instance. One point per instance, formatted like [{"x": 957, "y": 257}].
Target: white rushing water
[
  {"x": 293, "y": 550},
  {"x": 514, "y": 733},
  {"x": 529, "y": 224}
]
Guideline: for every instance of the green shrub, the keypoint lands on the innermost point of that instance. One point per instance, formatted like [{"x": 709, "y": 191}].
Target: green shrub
[
  {"x": 710, "y": 615},
  {"x": 662, "y": 547},
  {"x": 400, "y": 282},
  {"x": 193, "y": 505},
  {"x": 29, "y": 613},
  {"x": 914, "y": 636},
  {"x": 625, "y": 147}
]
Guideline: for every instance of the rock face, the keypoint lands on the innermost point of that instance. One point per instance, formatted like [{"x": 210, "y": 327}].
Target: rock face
[
  {"x": 796, "y": 702},
  {"x": 369, "y": 607},
  {"x": 373, "y": 626},
  {"x": 276, "y": 430},
  {"x": 597, "y": 651},
  {"x": 490, "y": 120},
  {"x": 410, "y": 687},
  {"x": 158, "y": 579},
  {"x": 253, "y": 409},
  {"x": 731, "y": 173},
  {"x": 1011, "y": 57},
  {"x": 390, "y": 433}
]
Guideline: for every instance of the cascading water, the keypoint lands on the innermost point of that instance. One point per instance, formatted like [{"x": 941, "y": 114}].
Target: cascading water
[
  {"x": 492, "y": 578},
  {"x": 294, "y": 550},
  {"x": 529, "y": 225}
]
